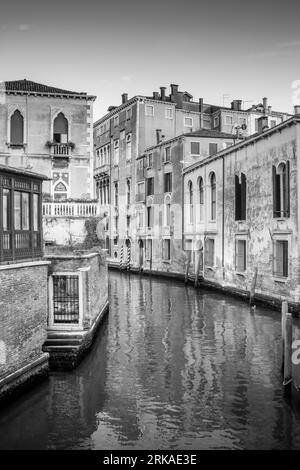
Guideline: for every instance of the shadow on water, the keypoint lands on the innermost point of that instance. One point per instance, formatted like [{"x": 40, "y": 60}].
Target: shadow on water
[{"x": 172, "y": 367}]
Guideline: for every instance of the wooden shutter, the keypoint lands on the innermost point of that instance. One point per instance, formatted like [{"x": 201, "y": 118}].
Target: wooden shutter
[
  {"x": 237, "y": 198},
  {"x": 274, "y": 191},
  {"x": 278, "y": 258},
  {"x": 240, "y": 253},
  {"x": 285, "y": 258},
  {"x": 286, "y": 190},
  {"x": 243, "y": 196}
]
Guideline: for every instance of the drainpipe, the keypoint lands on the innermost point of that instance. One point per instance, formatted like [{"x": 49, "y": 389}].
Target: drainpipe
[{"x": 223, "y": 214}]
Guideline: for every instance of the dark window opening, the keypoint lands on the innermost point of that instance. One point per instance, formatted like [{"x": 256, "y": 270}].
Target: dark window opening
[
  {"x": 240, "y": 197},
  {"x": 168, "y": 182},
  {"x": 281, "y": 190},
  {"x": 281, "y": 258},
  {"x": 16, "y": 129},
  {"x": 150, "y": 186},
  {"x": 60, "y": 129}
]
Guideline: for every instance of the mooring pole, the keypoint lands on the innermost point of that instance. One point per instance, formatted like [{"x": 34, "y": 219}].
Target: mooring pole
[
  {"x": 187, "y": 266},
  {"x": 288, "y": 339},
  {"x": 198, "y": 259},
  {"x": 253, "y": 286},
  {"x": 284, "y": 311}
]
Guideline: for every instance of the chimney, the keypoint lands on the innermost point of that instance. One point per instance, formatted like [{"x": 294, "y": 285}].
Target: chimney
[
  {"x": 158, "y": 136},
  {"x": 174, "y": 89},
  {"x": 124, "y": 98},
  {"x": 201, "y": 112},
  {"x": 265, "y": 105},
  {"x": 163, "y": 93},
  {"x": 297, "y": 109},
  {"x": 262, "y": 124},
  {"x": 236, "y": 105},
  {"x": 155, "y": 95}
]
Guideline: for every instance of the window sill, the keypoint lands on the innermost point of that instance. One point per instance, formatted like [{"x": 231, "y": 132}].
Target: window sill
[{"x": 281, "y": 280}]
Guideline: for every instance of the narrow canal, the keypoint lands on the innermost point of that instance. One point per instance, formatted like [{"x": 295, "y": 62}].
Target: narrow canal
[{"x": 172, "y": 368}]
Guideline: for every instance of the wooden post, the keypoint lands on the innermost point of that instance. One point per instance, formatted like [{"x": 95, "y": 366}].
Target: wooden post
[
  {"x": 253, "y": 285},
  {"x": 284, "y": 311},
  {"x": 187, "y": 266},
  {"x": 288, "y": 339},
  {"x": 198, "y": 258}
]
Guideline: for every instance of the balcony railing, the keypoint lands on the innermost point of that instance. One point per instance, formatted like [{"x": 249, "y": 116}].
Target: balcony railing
[
  {"x": 60, "y": 150},
  {"x": 102, "y": 170},
  {"x": 70, "y": 209}
]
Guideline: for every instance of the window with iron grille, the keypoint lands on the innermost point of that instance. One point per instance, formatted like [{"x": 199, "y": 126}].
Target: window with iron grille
[
  {"x": 280, "y": 258},
  {"x": 240, "y": 255},
  {"x": 65, "y": 299}
]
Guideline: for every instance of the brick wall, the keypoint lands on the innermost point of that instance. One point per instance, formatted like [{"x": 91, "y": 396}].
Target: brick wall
[{"x": 23, "y": 315}]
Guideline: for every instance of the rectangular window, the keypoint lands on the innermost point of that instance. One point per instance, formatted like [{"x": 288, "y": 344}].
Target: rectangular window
[
  {"x": 149, "y": 110},
  {"x": 213, "y": 148},
  {"x": 240, "y": 255},
  {"x": 216, "y": 121},
  {"x": 228, "y": 144},
  {"x": 281, "y": 258},
  {"x": 150, "y": 160},
  {"x": 188, "y": 122},
  {"x": 195, "y": 148},
  {"x": 240, "y": 197},
  {"x": 229, "y": 120},
  {"x": 150, "y": 186},
  {"x": 150, "y": 216},
  {"x": 256, "y": 125},
  {"x": 168, "y": 215},
  {"x": 141, "y": 188},
  {"x": 209, "y": 252},
  {"x": 140, "y": 219},
  {"x": 6, "y": 208},
  {"x": 167, "y": 154},
  {"x": 273, "y": 123},
  {"x": 116, "y": 152},
  {"x": 169, "y": 113},
  {"x": 128, "y": 113},
  {"x": 17, "y": 210},
  {"x": 116, "y": 121},
  {"x": 167, "y": 249},
  {"x": 168, "y": 182}
]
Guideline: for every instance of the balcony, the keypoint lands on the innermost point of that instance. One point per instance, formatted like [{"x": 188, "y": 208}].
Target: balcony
[
  {"x": 71, "y": 209},
  {"x": 60, "y": 150},
  {"x": 101, "y": 171}
]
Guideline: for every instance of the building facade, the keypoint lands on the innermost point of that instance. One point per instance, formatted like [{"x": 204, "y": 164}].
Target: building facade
[
  {"x": 49, "y": 130},
  {"x": 247, "y": 217},
  {"x": 159, "y": 225},
  {"x": 121, "y": 138}
]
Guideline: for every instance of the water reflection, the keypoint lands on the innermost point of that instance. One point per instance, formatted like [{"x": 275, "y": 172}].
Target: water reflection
[{"x": 171, "y": 368}]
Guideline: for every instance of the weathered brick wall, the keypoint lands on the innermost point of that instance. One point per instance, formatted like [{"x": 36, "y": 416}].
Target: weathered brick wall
[{"x": 23, "y": 316}]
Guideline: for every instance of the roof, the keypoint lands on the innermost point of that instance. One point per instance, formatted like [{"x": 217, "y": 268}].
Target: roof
[
  {"x": 206, "y": 133},
  {"x": 210, "y": 133},
  {"x": 30, "y": 87},
  {"x": 22, "y": 171},
  {"x": 245, "y": 142}
]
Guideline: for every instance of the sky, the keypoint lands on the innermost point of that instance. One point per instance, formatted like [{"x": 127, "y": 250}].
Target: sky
[{"x": 218, "y": 50}]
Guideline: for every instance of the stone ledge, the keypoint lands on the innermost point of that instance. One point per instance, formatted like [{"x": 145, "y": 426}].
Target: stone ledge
[{"x": 24, "y": 264}]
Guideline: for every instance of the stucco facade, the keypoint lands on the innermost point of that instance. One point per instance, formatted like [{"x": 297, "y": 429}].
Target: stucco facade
[
  {"x": 40, "y": 143},
  {"x": 264, "y": 238}
]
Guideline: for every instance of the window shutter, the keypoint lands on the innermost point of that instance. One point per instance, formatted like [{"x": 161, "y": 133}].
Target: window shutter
[
  {"x": 274, "y": 191},
  {"x": 237, "y": 198},
  {"x": 285, "y": 258},
  {"x": 278, "y": 260},
  {"x": 243, "y": 196},
  {"x": 286, "y": 189}
]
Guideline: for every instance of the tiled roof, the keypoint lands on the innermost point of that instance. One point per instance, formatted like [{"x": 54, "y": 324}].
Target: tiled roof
[
  {"x": 27, "y": 86},
  {"x": 210, "y": 133},
  {"x": 22, "y": 171}
]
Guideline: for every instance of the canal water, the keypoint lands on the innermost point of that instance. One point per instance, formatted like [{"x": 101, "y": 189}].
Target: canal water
[{"x": 172, "y": 368}]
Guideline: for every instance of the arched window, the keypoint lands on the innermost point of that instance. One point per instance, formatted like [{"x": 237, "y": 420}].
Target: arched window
[
  {"x": 213, "y": 196},
  {"x": 60, "y": 191},
  {"x": 17, "y": 128},
  {"x": 191, "y": 207},
  {"x": 128, "y": 192},
  {"x": 60, "y": 129},
  {"x": 116, "y": 152},
  {"x": 168, "y": 211},
  {"x": 116, "y": 194},
  {"x": 281, "y": 190},
  {"x": 201, "y": 198},
  {"x": 128, "y": 147}
]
